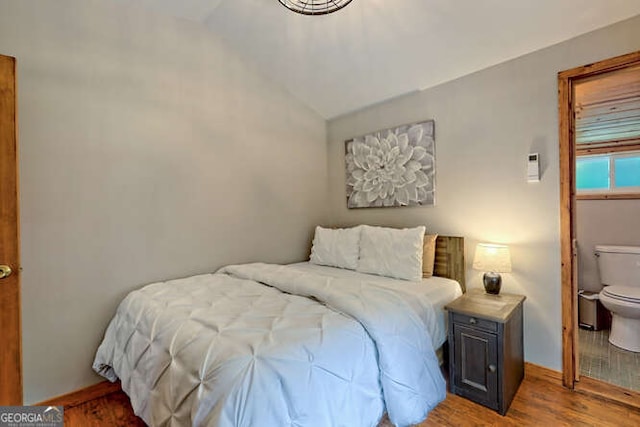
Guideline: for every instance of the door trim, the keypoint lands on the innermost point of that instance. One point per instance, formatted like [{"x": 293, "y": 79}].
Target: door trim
[
  {"x": 569, "y": 289},
  {"x": 10, "y": 321}
]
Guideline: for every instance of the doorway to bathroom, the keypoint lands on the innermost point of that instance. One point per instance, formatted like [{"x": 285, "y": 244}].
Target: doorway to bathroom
[{"x": 600, "y": 206}]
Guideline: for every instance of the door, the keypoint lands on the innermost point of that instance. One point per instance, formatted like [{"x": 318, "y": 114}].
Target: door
[
  {"x": 567, "y": 141},
  {"x": 10, "y": 347},
  {"x": 476, "y": 374}
]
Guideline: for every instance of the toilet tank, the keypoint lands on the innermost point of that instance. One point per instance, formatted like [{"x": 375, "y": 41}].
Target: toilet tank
[{"x": 619, "y": 265}]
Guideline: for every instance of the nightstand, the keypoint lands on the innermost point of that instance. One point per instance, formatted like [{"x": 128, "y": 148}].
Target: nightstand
[{"x": 486, "y": 362}]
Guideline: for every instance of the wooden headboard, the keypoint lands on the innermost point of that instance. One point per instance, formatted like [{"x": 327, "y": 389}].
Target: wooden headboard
[{"x": 449, "y": 261}]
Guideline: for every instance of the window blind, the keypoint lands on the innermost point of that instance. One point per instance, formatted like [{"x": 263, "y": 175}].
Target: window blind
[{"x": 607, "y": 109}]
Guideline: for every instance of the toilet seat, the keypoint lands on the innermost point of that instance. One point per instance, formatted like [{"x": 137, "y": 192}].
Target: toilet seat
[{"x": 623, "y": 293}]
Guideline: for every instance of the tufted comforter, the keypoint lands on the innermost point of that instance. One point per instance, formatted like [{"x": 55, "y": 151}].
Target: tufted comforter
[{"x": 269, "y": 345}]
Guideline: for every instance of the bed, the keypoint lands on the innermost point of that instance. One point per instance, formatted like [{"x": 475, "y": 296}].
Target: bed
[{"x": 284, "y": 345}]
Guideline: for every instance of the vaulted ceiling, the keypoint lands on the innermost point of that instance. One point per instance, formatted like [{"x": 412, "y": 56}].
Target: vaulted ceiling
[{"x": 374, "y": 50}]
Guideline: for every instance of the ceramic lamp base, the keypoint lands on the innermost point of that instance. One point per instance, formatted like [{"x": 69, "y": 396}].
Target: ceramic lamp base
[{"x": 492, "y": 283}]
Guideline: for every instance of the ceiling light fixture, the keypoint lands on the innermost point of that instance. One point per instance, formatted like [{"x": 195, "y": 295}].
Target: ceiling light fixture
[{"x": 314, "y": 7}]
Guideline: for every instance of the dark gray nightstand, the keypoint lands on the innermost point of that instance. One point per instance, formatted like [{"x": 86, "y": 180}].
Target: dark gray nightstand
[{"x": 486, "y": 362}]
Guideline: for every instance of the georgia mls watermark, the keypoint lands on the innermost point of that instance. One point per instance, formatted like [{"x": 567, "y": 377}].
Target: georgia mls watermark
[{"x": 31, "y": 416}]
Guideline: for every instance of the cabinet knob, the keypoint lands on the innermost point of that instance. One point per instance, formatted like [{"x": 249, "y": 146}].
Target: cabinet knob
[
  {"x": 492, "y": 368},
  {"x": 473, "y": 321}
]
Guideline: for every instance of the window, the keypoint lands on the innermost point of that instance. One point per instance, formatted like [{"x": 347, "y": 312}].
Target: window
[
  {"x": 614, "y": 173},
  {"x": 592, "y": 173},
  {"x": 627, "y": 171}
]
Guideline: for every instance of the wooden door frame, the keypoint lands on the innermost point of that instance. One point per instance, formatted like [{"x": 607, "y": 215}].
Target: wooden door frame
[
  {"x": 566, "y": 79},
  {"x": 10, "y": 320}
]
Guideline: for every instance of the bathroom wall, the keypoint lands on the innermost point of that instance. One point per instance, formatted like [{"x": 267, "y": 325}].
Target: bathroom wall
[{"x": 603, "y": 222}]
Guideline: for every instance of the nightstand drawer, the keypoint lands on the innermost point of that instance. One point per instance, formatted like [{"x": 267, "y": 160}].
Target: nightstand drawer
[{"x": 475, "y": 322}]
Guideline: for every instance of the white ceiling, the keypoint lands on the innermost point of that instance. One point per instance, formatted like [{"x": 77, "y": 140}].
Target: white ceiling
[{"x": 374, "y": 50}]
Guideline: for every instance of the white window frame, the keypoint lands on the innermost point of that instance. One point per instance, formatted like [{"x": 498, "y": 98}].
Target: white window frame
[{"x": 613, "y": 190}]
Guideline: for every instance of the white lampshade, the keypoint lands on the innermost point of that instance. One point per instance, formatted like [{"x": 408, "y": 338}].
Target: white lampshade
[{"x": 494, "y": 258}]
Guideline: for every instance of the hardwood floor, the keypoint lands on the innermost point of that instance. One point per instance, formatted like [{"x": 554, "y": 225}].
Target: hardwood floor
[
  {"x": 540, "y": 401},
  {"x": 113, "y": 410}
]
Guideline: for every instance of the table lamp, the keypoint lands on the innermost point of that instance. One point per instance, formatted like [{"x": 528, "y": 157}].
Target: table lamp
[{"x": 493, "y": 260}]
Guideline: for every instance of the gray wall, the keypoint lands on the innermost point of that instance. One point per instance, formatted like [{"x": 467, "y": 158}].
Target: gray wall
[
  {"x": 603, "y": 222},
  {"x": 148, "y": 151},
  {"x": 486, "y": 124}
]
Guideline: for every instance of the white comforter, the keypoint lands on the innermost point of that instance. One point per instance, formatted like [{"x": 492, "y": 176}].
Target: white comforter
[{"x": 306, "y": 350}]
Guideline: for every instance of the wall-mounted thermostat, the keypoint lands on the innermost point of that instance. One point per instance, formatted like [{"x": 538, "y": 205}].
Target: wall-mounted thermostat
[{"x": 533, "y": 168}]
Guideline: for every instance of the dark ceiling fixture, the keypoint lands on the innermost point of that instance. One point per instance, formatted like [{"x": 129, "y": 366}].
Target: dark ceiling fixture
[{"x": 314, "y": 7}]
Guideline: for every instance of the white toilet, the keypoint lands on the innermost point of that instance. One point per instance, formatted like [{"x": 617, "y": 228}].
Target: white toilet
[{"x": 620, "y": 274}]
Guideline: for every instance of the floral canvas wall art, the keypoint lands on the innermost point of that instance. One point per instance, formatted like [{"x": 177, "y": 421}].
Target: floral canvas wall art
[{"x": 392, "y": 167}]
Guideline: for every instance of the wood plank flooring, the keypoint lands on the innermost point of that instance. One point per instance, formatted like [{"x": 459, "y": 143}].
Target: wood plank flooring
[
  {"x": 541, "y": 401},
  {"x": 112, "y": 410}
]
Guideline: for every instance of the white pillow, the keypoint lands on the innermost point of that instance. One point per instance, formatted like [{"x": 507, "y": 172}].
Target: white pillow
[
  {"x": 336, "y": 247},
  {"x": 392, "y": 252}
]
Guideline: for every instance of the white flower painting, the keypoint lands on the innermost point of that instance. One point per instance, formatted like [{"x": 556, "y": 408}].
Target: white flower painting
[{"x": 392, "y": 167}]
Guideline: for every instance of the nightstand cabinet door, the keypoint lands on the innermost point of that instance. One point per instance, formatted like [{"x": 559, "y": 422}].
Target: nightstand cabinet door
[{"x": 476, "y": 371}]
